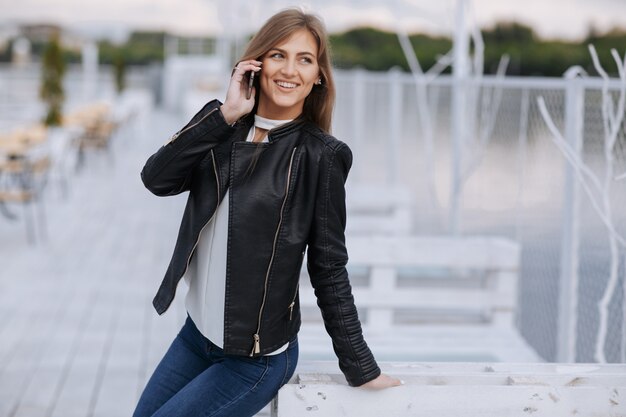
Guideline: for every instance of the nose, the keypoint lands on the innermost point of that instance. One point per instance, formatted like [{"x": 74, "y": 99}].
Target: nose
[{"x": 289, "y": 68}]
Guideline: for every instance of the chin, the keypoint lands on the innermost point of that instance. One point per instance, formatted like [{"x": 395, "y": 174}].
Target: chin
[{"x": 286, "y": 103}]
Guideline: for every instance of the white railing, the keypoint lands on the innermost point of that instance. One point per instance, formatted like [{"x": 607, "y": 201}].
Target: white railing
[
  {"x": 515, "y": 182},
  {"x": 429, "y": 297},
  {"x": 459, "y": 389}
]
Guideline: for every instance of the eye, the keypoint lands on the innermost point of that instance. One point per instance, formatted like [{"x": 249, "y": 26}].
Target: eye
[
  {"x": 276, "y": 55},
  {"x": 306, "y": 60}
]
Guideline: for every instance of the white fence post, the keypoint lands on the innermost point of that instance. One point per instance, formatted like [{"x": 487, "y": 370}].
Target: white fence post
[
  {"x": 395, "y": 121},
  {"x": 358, "y": 114},
  {"x": 568, "y": 290},
  {"x": 383, "y": 281},
  {"x": 522, "y": 154},
  {"x": 89, "y": 70},
  {"x": 460, "y": 72}
]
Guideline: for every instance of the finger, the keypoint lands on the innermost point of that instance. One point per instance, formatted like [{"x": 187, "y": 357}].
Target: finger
[
  {"x": 245, "y": 66},
  {"x": 389, "y": 381}
]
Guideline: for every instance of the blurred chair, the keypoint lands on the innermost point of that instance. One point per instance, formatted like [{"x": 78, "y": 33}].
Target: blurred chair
[
  {"x": 63, "y": 145},
  {"x": 24, "y": 167},
  {"x": 99, "y": 127}
]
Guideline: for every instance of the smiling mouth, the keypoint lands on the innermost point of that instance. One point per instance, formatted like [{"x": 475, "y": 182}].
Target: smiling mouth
[{"x": 285, "y": 84}]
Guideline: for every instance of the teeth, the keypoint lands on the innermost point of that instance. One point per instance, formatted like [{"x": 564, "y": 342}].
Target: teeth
[{"x": 286, "y": 85}]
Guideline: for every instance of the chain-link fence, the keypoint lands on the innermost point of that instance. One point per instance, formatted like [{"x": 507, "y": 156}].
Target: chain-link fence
[{"x": 515, "y": 182}]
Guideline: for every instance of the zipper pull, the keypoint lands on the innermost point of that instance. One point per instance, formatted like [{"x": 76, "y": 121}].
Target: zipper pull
[
  {"x": 291, "y": 310},
  {"x": 176, "y": 135},
  {"x": 257, "y": 345}
]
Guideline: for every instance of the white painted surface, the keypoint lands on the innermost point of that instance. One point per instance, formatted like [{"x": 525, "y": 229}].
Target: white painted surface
[
  {"x": 385, "y": 209},
  {"x": 452, "y": 390},
  {"x": 428, "y": 298}
]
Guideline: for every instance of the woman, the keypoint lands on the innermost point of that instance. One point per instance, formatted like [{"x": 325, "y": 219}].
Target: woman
[{"x": 265, "y": 181}]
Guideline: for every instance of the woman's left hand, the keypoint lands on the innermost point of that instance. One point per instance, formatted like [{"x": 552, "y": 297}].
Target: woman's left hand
[
  {"x": 381, "y": 382},
  {"x": 236, "y": 103}
]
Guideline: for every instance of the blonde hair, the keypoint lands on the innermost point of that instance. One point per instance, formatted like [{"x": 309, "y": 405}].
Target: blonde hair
[{"x": 318, "y": 106}]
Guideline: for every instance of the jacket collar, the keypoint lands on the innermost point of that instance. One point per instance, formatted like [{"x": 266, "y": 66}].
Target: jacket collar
[{"x": 274, "y": 134}]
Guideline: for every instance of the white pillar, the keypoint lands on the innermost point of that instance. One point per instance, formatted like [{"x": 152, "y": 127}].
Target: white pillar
[
  {"x": 568, "y": 288},
  {"x": 460, "y": 72},
  {"x": 358, "y": 117},
  {"x": 395, "y": 130},
  {"x": 90, "y": 70}
]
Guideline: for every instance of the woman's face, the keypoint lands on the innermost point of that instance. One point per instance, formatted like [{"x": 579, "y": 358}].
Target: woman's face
[{"x": 288, "y": 73}]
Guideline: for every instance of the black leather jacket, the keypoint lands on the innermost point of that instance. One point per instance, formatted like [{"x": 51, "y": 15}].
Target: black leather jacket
[{"x": 291, "y": 199}]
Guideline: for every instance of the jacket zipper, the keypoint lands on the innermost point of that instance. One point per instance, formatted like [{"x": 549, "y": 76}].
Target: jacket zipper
[
  {"x": 180, "y": 132},
  {"x": 257, "y": 339},
  {"x": 295, "y": 294},
  {"x": 293, "y": 302},
  {"x": 217, "y": 179}
]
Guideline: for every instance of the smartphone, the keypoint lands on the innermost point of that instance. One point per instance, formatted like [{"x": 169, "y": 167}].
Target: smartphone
[{"x": 250, "y": 84}]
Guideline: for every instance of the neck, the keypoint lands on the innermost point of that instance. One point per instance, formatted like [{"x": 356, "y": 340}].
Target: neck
[{"x": 278, "y": 113}]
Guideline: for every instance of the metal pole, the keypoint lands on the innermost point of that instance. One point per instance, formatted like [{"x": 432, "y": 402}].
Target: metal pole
[
  {"x": 395, "y": 121},
  {"x": 358, "y": 117},
  {"x": 522, "y": 146},
  {"x": 460, "y": 72},
  {"x": 90, "y": 70},
  {"x": 568, "y": 290},
  {"x": 623, "y": 347}
]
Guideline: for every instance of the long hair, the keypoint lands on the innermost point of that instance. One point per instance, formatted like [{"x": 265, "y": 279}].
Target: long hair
[{"x": 318, "y": 106}]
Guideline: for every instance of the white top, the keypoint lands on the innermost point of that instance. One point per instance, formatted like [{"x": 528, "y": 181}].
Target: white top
[{"x": 206, "y": 274}]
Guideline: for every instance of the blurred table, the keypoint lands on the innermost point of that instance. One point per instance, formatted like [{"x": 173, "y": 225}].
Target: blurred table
[
  {"x": 20, "y": 156},
  {"x": 18, "y": 143}
]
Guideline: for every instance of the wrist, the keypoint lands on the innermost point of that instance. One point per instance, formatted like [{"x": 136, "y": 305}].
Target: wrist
[{"x": 229, "y": 115}]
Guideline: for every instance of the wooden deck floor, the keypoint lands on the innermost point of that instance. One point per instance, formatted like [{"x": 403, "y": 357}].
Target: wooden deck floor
[{"x": 78, "y": 335}]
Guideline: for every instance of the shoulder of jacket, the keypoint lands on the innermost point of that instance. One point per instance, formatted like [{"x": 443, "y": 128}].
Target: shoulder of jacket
[{"x": 324, "y": 139}]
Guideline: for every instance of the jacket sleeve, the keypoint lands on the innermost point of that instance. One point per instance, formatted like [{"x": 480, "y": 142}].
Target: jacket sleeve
[
  {"x": 168, "y": 171},
  {"x": 326, "y": 263}
]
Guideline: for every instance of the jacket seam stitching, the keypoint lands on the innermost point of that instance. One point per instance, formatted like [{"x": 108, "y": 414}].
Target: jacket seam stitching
[
  {"x": 326, "y": 254},
  {"x": 228, "y": 245},
  {"x": 179, "y": 151}
]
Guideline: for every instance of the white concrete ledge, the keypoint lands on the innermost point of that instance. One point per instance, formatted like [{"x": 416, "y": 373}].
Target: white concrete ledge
[{"x": 460, "y": 389}]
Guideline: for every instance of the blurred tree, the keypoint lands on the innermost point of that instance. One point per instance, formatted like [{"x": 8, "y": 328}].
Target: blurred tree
[
  {"x": 377, "y": 50},
  {"x": 528, "y": 55},
  {"x": 509, "y": 32},
  {"x": 142, "y": 48},
  {"x": 369, "y": 48},
  {"x": 51, "y": 88},
  {"x": 428, "y": 49},
  {"x": 119, "y": 69}
]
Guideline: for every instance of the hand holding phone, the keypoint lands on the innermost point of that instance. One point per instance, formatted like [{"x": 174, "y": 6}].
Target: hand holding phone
[{"x": 250, "y": 84}]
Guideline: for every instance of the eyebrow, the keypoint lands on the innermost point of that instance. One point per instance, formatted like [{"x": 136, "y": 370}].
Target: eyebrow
[{"x": 299, "y": 53}]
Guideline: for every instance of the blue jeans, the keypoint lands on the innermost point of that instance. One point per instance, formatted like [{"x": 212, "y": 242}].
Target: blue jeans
[{"x": 196, "y": 379}]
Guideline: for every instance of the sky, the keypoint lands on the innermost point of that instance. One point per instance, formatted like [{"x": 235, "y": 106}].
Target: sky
[{"x": 564, "y": 19}]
